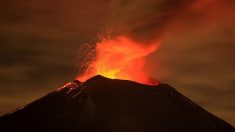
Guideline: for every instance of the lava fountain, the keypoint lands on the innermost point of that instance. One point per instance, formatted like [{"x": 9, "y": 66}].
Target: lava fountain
[{"x": 121, "y": 58}]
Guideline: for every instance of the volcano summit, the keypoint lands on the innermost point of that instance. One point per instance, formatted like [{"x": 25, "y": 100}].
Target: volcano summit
[{"x": 111, "y": 105}]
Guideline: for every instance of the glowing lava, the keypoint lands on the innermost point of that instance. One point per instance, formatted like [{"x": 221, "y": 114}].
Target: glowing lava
[{"x": 120, "y": 58}]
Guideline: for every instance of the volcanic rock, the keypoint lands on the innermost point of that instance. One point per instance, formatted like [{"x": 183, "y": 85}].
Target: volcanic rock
[{"x": 110, "y": 105}]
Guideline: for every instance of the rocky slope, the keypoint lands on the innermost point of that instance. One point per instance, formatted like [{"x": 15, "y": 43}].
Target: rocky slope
[{"x": 109, "y": 105}]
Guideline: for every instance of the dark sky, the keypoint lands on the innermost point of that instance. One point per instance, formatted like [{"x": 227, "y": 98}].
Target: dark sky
[{"x": 41, "y": 40}]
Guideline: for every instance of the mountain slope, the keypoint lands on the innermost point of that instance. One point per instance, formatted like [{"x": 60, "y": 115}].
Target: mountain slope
[{"x": 102, "y": 104}]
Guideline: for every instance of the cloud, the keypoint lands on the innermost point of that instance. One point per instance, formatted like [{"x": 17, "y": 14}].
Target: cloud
[{"x": 39, "y": 42}]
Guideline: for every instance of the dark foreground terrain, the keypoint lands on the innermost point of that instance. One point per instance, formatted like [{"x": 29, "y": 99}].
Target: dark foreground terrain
[{"x": 106, "y": 105}]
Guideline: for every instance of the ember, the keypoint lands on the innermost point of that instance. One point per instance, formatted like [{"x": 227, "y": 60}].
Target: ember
[{"x": 121, "y": 58}]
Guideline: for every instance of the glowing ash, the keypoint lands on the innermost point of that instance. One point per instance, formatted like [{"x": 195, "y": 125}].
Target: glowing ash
[{"x": 121, "y": 58}]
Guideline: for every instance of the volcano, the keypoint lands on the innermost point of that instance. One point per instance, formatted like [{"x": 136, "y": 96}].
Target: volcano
[{"x": 110, "y": 105}]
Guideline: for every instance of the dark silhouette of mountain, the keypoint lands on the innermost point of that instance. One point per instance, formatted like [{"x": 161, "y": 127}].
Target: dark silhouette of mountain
[{"x": 110, "y": 105}]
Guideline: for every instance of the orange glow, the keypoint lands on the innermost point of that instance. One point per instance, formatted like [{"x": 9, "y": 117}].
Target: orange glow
[{"x": 120, "y": 58}]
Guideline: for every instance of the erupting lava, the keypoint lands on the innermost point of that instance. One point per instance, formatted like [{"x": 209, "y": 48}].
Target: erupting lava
[{"x": 120, "y": 58}]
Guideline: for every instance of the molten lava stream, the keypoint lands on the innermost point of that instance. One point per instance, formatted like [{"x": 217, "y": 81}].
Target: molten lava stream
[{"x": 121, "y": 58}]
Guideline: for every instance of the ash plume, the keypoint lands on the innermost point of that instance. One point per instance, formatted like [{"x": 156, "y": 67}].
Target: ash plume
[
  {"x": 143, "y": 20},
  {"x": 149, "y": 19},
  {"x": 151, "y": 22}
]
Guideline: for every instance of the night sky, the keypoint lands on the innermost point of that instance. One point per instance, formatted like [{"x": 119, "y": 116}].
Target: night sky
[{"x": 41, "y": 42}]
